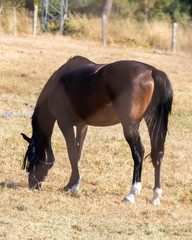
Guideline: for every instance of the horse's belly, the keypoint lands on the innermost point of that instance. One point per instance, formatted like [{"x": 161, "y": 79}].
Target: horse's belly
[{"x": 103, "y": 117}]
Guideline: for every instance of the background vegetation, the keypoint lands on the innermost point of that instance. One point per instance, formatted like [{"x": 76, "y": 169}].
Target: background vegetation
[
  {"x": 144, "y": 23},
  {"x": 137, "y": 9}
]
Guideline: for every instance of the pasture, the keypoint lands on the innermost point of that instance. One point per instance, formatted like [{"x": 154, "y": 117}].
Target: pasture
[{"x": 106, "y": 165}]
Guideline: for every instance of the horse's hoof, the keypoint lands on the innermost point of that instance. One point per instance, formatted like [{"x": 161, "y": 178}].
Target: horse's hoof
[
  {"x": 66, "y": 189},
  {"x": 129, "y": 198},
  {"x": 155, "y": 201},
  {"x": 156, "y": 195},
  {"x": 75, "y": 188}
]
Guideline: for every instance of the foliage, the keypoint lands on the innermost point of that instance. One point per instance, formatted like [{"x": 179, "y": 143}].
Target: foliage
[
  {"x": 12, "y": 3},
  {"x": 152, "y": 9},
  {"x": 18, "y": 3},
  {"x": 135, "y": 9},
  {"x": 88, "y": 7}
]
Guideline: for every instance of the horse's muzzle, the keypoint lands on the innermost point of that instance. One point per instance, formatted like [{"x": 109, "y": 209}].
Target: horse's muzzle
[{"x": 34, "y": 184}]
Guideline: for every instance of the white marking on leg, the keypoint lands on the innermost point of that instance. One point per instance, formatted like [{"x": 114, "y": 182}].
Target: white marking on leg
[
  {"x": 135, "y": 190},
  {"x": 156, "y": 195},
  {"x": 75, "y": 188}
]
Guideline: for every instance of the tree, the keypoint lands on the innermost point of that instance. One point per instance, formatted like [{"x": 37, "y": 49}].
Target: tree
[
  {"x": 29, "y": 5},
  {"x": 106, "y": 7}
]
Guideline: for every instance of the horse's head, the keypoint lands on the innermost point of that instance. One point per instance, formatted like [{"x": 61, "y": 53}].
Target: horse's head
[{"x": 37, "y": 168}]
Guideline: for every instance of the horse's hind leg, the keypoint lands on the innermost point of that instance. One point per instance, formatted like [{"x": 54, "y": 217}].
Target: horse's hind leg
[
  {"x": 133, "y": 138},
  {"x": 67, "y": 129},
  {"x": 157, "y": 152},
  {"x": 157, "y": 156}
]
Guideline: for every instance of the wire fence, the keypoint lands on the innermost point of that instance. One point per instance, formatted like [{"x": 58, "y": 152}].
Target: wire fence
[
  {"x": 10, "y": 114},
  {"x": 14, "y": 20}
]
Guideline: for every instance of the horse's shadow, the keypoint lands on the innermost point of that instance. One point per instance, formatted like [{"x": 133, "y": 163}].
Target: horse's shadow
[{"x": 10, "y": 185}]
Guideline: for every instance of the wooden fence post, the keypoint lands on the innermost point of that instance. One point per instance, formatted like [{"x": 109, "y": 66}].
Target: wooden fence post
[
  {"x": 174, "y": 37},
  {"x": 104, "y": 29},
  {"x": 61, "y": 18},
  {"x": 15, "y": 21},
  {"x": 35, "y": 17}
]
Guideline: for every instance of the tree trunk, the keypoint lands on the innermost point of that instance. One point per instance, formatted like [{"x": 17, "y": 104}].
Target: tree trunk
[
  {"x": 29, "y": 6},
  {"x": 106, "y": 7}
]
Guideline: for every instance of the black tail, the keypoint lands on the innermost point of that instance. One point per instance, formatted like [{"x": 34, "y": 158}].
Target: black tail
[{"x": 159, "y": 108}]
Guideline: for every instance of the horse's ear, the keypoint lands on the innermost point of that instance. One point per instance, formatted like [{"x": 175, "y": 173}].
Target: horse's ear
[{"x": 26, "y": 138}]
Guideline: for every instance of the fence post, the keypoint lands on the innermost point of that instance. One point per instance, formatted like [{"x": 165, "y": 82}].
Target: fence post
[
  {"x": 61, "y": 17},
  {"x": 15, "y": 21},
  {"x": 35, "y": 20},
  {"x": 104, "y": 29},
  {"x": 174, "y": 36}
]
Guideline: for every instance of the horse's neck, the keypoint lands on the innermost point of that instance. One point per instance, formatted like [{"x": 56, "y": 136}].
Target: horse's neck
[
  {"x": 42, "y": 123},
  {"x": 43, "y": 120}
]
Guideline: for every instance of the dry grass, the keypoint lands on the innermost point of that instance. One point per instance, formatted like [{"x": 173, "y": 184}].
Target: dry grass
[
  {"x": 96, "y": 212},
  {"x": 153, "y": 34},
  {"x": 7, "y": 21}
]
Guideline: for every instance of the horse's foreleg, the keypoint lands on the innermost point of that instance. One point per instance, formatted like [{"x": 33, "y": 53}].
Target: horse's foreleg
[
  {"x": 80, "y": 137},
  {"x": 67, "y": 129},
  {"x": 137, "y": 149}
]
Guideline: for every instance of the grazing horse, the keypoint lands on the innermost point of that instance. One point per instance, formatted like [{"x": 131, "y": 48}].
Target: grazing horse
[{"x": 82, "y": 93}]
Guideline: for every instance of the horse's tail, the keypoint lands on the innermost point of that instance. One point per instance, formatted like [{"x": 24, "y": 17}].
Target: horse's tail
[{"x": 159, "y": 109}]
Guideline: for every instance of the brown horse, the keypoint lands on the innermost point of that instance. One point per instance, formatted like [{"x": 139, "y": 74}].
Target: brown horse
[{"x": 82, "y": 93}]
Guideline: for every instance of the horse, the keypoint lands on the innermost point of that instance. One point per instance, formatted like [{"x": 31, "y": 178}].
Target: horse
[{"x": 82, "y": 93}]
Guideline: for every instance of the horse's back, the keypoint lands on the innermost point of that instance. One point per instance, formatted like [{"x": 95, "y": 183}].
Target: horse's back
[
  {"x": 100, "y": 94},
  {"x": 74, "y": 63}
]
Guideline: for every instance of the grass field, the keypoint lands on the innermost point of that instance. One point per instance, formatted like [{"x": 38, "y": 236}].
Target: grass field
[{"x": 96, "y": 211}]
